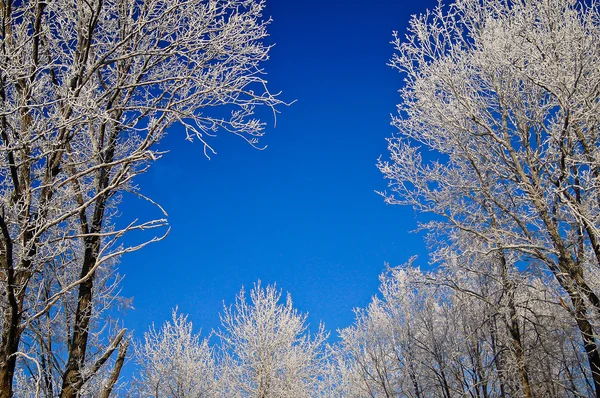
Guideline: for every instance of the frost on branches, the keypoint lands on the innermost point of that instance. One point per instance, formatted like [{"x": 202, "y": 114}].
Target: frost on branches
[
  {"x": 267, "y": 349},
  {"x": 264, "y": 351},
  {"x": 498, "y": 133},
  {"x": 87, "y": 89},
  {"x": 460, "y": 332},
  {"x": 175, "y": 362},
  {"x": 474, "y": 327}
]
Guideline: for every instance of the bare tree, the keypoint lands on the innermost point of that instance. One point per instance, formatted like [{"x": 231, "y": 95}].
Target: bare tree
[
  {"x": 87, "y": 89},
  {"x": 505, "y": 95}
]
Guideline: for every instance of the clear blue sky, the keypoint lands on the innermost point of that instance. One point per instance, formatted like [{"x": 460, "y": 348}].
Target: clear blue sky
[{"x": 302, "y": 213}]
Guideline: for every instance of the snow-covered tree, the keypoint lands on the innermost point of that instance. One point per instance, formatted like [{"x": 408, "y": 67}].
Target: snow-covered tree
[
  {"x": 267, "y": 350},
  {"x": 175, "y": 362},
  {"x": 498, "y": 134},
  {"x": 264, "y": 350},
  {"x": 87, "y": 88},
  {"x": 459, "y": 332}
]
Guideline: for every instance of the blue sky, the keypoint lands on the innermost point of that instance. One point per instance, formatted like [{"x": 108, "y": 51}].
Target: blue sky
[{"x": 303, "y": 212}]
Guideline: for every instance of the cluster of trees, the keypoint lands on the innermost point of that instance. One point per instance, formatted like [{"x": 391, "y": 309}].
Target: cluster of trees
[
  {"x": 455, "y": 332},
  {"x": 498, "y": 143},
  {"x": 461, "y": 332},
  {"x": 263, "y": 350}
]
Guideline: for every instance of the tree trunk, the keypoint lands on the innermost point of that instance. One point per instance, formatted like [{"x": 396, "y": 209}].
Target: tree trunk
[
  {"x": 72, "y": 377},
  {"x": 589, "y": 342},
  {"x": 515, "y": 334},
  {"x": 10, "y": 341},
  {"x": 497, "y": 359}
]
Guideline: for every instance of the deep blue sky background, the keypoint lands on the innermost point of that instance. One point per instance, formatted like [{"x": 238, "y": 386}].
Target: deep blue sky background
[{"x": 302, "y": 213}]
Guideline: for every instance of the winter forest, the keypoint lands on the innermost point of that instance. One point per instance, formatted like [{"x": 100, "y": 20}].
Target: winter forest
[{"x": 494, "y": 150}]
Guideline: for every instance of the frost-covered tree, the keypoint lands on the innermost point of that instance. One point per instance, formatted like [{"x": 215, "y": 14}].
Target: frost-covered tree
[
  {"x": 87, "y": 88},
  {"x": 451, "y": 333},
  {"x": 45, "y": 342},
  {"x": 175, "y": 362},
  {"x": 498, "y": 133},
  {"x": 266, "y": 349}
]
